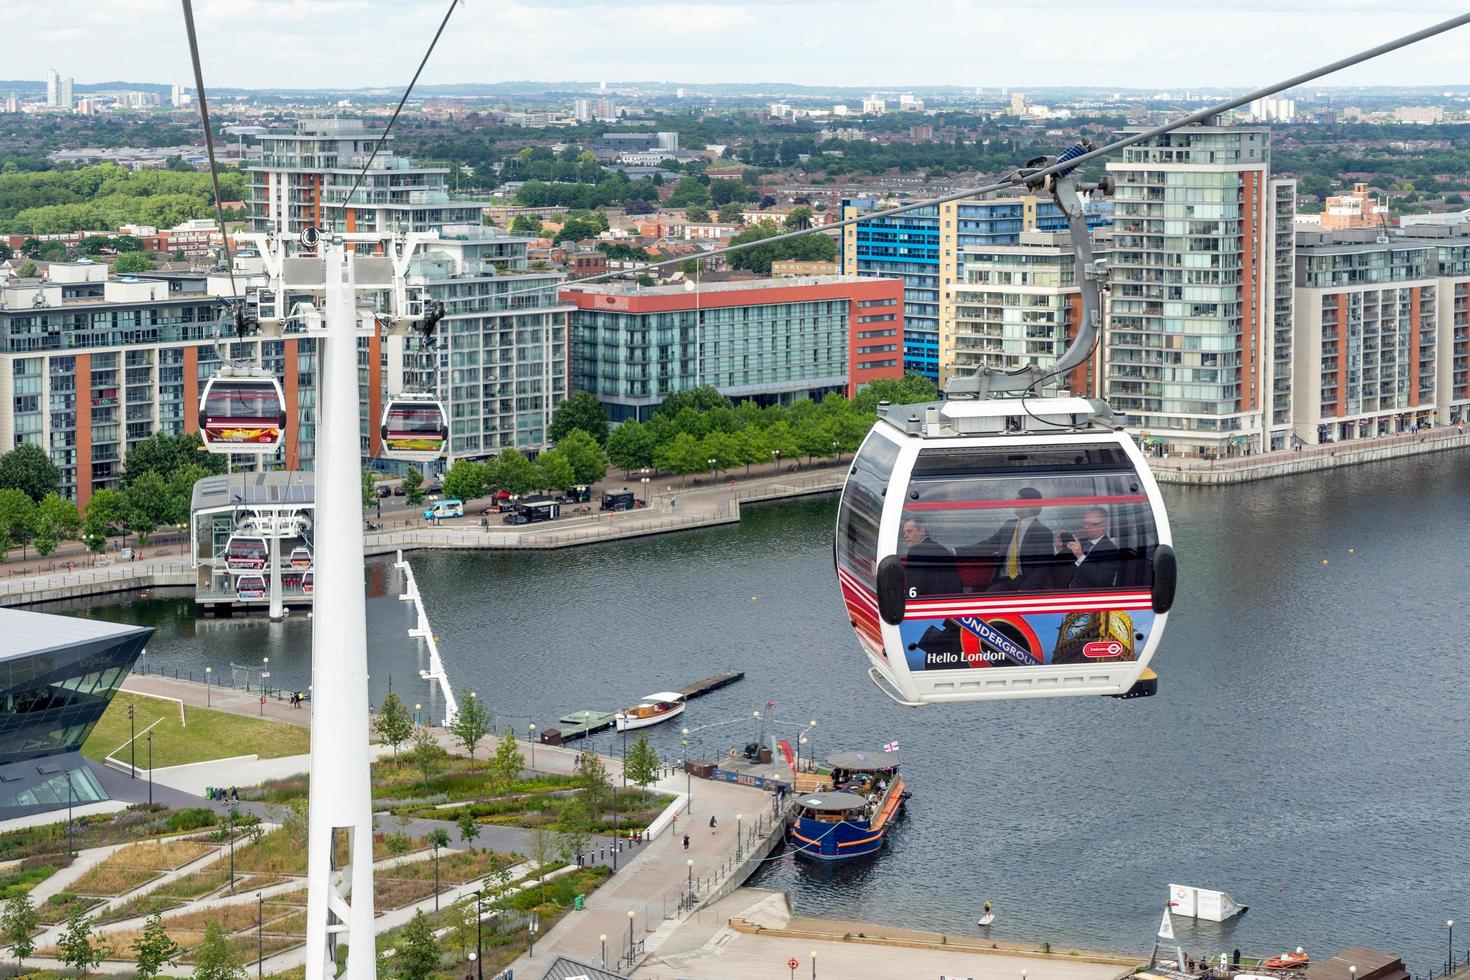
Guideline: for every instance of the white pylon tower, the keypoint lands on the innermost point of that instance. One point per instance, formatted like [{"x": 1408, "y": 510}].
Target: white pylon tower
[{"x": 339, "y": 900}]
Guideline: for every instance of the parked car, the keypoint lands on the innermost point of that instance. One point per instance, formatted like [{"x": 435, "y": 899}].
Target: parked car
[{"x": 385, "y": 491}]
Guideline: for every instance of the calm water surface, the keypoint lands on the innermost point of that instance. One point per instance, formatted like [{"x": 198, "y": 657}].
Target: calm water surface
[{"x": 1307, "y": 751}]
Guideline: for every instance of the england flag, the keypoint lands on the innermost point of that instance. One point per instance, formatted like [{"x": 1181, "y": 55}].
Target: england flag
[{"x": 890, "y": 746}]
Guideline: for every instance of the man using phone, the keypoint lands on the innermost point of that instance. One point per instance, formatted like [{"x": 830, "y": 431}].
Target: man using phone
[{"x": 1095, "y": 558}]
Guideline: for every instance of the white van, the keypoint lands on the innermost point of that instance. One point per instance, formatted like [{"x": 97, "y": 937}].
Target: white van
[{"x": 441, "y": 509}]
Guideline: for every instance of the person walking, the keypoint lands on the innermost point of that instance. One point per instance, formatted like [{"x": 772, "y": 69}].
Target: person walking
[
  {"x": 686, "y": 842},
  {"x": 713, "y": 826}
]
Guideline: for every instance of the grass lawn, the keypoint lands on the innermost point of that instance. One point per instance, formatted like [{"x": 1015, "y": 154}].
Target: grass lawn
[
  {"x": 138, "y": 822},
  {"x": 207, "y": 734},
  {"x": 108, "y": 881},
  {"x": 635, "y": 807},
  {"x": 160, "y": 857},
  {"x": 30, "y": 873}
]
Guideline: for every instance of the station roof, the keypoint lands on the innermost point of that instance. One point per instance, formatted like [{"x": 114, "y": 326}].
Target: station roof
[
  {"x": 832, "y": 802},
  {"x": 29, "y": 633},
  {"x": 274, "y": 488},
  {"x": 863, "y": 761}
]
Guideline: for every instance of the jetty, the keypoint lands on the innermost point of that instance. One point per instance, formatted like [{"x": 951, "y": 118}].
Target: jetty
[{"x": 580, "y": 724}]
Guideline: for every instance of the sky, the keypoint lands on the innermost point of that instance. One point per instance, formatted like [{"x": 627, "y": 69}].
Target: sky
[{"x": 1156, "y": 44}]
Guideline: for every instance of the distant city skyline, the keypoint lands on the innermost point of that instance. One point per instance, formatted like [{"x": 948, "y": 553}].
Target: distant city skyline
[{"x": 1150, "y": 44}]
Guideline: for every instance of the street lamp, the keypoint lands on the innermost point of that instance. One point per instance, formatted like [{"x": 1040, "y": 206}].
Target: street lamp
[
  {"x": 150, "y": 767},
  {"x": 777, "y": 453},
  {"x": 1450, "y": 925},
  {"x": 644, "y": 481},
  {"x": 532, "y": 730},
  {"x": 799, "y": 743},
  {"x": 814, "y": 964},
  {"x": 265, "y": 672},
  {"x": 208, "y": 700},
  {"x": 603, "y": 939},
  {"x": 688, "y": 775},
  {"x": 631, "y": 914},
  {"x": 479, "y": 913},
  {"x": 259, "y": 936},
  {"x": 416, "y": 709},
  {"x": 712, "y": 469},
  {"x": 738, "y": 818}
]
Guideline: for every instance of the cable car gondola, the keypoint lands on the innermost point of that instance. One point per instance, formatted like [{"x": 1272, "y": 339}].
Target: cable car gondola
[
  {"x": 300, "y": 557},
  {"x": 246, "y": 553},
  {"x": 415, "y": 428},
  {"x": 250, "y": 587},
  {"x": 992, "y": 547},
  {"x": 242, "y": 413},
  {"x": 308, "y": 582}
]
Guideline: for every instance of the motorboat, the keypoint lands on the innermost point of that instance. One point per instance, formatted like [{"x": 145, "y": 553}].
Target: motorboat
[
  {"x": 853, "y": 817},
  {"x": 654, "y": 708}
]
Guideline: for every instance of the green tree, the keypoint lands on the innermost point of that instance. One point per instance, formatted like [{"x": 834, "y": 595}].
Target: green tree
[
  {"x": 721, "y": 447},
  {"x": 369, "y": 488},
  {"x": 417, "y": 953},
  {"x": 17, "y": 518},
  {"x": 468, "y": 829},
  {"x": 78, "y": 947},
  {"x": 596, "y": 784},
  {"x": 466, "y": 480},
  {"x": 165, "y": 454},
  {"x": 154, "y": 948},
  {"x": 798, "y": 219},
  {"x": 471, "y": 722},
  {"x": 681, "y": 455},
  {"x": 696, "y": 214},
  {"x": 28, "y": 468},
  {"x": 217, "y": 958},
  {"x": 181, "y": 491},
  {"x": 642, "y": 764},
  {"x": 589, "y": 461},
  {"x": 701, "y": 399},
  {"x": 730, "y": 213},
  {"x": 631, "y": 446},
  {"x": 581, "y": 411},
  {"x": 393, "y": 724},
  {"x": 514, "y": 473},
  {"x": 18, "y": 920},
  {"x": 526, "y": 224},
  {"x": 758, "y": 259},
  {"x": 908, "y": 390},
  {"x": 146, "y": 505},
  {"x": 413, "y": 486},
  {"x": 428, "y": 755},
  {"x": 573, "y": 827},
  {"x": 554, "y": 471},
  {"x": 507, "y": 763},
  {"x": 130, "y": 262},
  {"x": 27, "y": 270},
  {"x": 542, "y": 850}
]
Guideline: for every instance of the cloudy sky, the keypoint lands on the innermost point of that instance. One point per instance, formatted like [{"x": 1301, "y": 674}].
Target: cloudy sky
[{"x": 1164, "y": 44}]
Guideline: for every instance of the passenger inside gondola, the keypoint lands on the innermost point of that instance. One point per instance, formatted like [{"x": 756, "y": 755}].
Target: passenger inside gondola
[{"x": 929, "y": 567}]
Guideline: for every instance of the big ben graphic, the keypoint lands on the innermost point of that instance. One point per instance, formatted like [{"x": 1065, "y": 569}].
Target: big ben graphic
[{"x": 1081, "y": 628}]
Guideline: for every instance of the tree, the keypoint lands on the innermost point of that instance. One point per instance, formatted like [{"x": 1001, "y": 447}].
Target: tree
[
  {"x": 146, "y": 505},
  {"x": 429, "y": 756},
  {"x": 526, "y": 224},
  {"x": 807, "y": 248},
  {"x": 17, "y": 518},
  {"x": 696, "y": 214},
  {"x": 554, "y": 471},
  {"x": 468, "y": 829},
  {"x": 701, "y": 399},
  {"x": 466, "y": 480},
  {"x": 507, "y": 763},
  {"x": 596, "y": 783},
  {"x": 413, "y": 486},
  {"x": 642, "y": 764},
  {"x": 130, "y": 262},
  {"x": 542, "y": 850},
  {"x": 514, "y": 473},
  {"x": 165, "y": 454},
  {"x": 471, "y": 722},
  {"x": 417, "y": 950},
  {"x": 28, "y": 468},
  {"x": 18, "y": 920},
  {"x": 589, "y": 462},
  {"x": 581, "y": 411},
  {"x": 630, "y": 446},
  {"x": 730, "y": 213},
  {"x": 908, "y": 390},
  {"x": 573, "y": 828},
  {"x": 181, "y": 491},
  {"x": 680, "y": 455},
  {"x": 798, "y": 219},
  {"x": 369, "y": 488},
  {"x": 77, "y": 947},
  {"x": 27, "y": 270},
  {"x": 216, "y": 958},
  {"x": 154, "y": 948},
  {"x": 394, "y": 724}
]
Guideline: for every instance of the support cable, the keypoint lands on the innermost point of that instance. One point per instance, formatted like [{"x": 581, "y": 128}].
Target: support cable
[
  {"x": 377, "y": 147},
  {"x": 219, "y": 210},
  {"x": 1016, "y": 178}
]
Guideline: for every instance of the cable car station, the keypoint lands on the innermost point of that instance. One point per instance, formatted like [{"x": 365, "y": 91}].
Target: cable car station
[{"x": 251, "y": 542}]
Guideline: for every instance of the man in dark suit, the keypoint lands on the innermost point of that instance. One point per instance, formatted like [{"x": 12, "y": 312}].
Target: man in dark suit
[
  {"x": 1023, "y": 549},
  {"x": 1095, "y": 561},
  {"x": 929, "y": 566}
]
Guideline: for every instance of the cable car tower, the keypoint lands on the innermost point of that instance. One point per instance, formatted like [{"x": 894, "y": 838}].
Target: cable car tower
[{"x": 351, "y": 285}]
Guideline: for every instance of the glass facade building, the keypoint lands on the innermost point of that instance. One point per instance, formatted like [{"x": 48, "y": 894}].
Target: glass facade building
[{"x": 55, "y": 682}]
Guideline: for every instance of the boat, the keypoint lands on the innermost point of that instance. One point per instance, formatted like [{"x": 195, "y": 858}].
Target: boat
[
  {"x": 852, "y": 816},
  {"x": 655, "y": 708},
  {"x": 1287, "y": 961}
]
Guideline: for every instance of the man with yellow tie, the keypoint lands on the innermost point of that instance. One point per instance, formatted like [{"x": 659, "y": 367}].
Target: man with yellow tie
[{"x": 1022, "y": 548}]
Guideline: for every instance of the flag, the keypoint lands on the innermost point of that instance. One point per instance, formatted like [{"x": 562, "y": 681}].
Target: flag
[
  {"x": 890, "y": 746},
  {"x": 785, "y": 748},
  {"x": 1166, "y": 928}
]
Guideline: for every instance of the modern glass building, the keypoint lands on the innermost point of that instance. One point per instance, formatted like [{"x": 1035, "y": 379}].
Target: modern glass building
[
  {"x": 56, "y": 679},
  {"x": 926, "y": 249}
]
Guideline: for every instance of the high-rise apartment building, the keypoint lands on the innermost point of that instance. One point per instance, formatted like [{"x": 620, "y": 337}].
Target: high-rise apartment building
[
  {"x": 1198, "y": 341},
  {"x": 303, "y": 178},
  {"x": 1382, "y": 331},
  {"x": 926, "y": 249},
  {"x": 53, "y": 87},
  {"x": 1021, "y": 305}
]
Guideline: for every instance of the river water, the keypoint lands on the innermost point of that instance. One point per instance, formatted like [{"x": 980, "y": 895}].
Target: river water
[{"x": 1306, "y": 753}]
